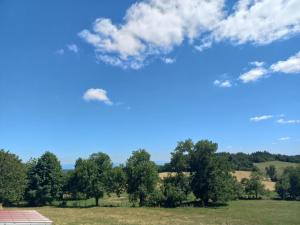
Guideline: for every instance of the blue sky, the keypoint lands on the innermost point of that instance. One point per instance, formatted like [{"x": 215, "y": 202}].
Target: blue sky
[{"x": 78, "y": 77}]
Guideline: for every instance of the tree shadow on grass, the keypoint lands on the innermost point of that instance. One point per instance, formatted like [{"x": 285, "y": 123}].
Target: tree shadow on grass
[
  {"x": 200, "y": 204},
  {"x": 84, "y": 206}
]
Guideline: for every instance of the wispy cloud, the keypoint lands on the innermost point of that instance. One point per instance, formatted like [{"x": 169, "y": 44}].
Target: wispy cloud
[
  {"x": 223, "y": 83},
  {"x": 205, "y": 44},
  {"x": 286, "y": 121},
  {"x": 73, "y": 48},
  {"x": 261, "y": 118},
  {"x": 284, "y": 139},
  {"x": 257, "y": 63},
  {"x": 168, "y": 60},
  {"x": 153, "y": 27},
  {"x": 97, "y": 94},
  {"x": 253, "y": 75},
  {"x": 60, "y": 51}
]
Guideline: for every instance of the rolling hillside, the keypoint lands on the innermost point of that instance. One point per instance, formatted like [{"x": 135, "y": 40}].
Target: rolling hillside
[{"x": 280, "y": 166}]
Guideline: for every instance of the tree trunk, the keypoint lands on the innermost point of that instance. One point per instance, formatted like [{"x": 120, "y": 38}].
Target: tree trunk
[
  {"x": 97, "y": 201},
  {"x": 142, "y": 200},
  {"x": 205, "y": 201}
]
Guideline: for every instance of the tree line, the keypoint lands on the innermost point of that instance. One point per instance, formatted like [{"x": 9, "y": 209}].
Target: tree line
[
  {"x": 244, "y": 161},
  {"x": 198, "y": 171}
]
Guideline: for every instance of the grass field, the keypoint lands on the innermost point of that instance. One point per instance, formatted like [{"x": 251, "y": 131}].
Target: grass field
[
  {"x": 247, "y": 212},
  {"x": 280, "y": 166}
]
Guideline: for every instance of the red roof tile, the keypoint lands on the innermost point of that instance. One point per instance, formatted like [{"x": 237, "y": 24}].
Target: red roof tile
[{"x": 22, "y": 216}]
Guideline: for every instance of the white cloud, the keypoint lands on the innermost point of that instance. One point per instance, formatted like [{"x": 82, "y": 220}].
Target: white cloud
[
  {"x": 97, "y": 94},
  {"x": 257, "y": 63},
  {"x": 284, "y": 139},
  {"x": 291, "y": 65},
  {"x": 223, "y": 84},
  {"x": 205, "y": 44},
  {"x": 155, "y": 27},
  {"x": 167, "y": 60},
  {"x": 285, "y": 121},
  {"x": 261, "y": 118},
  {"x": 253, "y": 75},
  {"x": 260, "y": 22},
  {"x": 60, "y": 51},
  {"x": 73, "y": 48}
]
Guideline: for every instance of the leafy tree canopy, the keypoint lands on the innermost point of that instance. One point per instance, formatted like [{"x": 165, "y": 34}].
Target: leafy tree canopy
[
  {"x": 45, "y": 180},
  {"x": 142, "y": 176},
  {"x": 12, "y": 178}
]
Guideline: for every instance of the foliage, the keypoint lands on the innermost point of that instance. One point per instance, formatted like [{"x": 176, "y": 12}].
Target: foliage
[
  {"x": 180, "y": 156},
  {"x": 253, "y": 187},
  {"x": 241, "y": 161},
  {"x": 12, "y": 178},
  {"x": 45, "y": 180},
  {"x": 279, "y": 165},
  {"x": 156, "y": 198},
  {"x": 271, "y": 172},
  {"x": 93, "y": 175},
  {"x": 175, "y": 190},
  {"x": 164, "y": 168},
  {"x": 70, "y": 183},
  {"x": 142, "y": 176},
  {"x": 288, "y": 186},
  {"x": 172, "y": 195},
  {"x": 211, "y": 178},
  {"x": 264, "y": 156},
  {"x": 117, "y": 181},
  {"x": 237, "y": 189}
]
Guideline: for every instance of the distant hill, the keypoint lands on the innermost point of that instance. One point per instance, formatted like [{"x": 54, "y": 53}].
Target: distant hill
[{"x": 280, "y": 166}]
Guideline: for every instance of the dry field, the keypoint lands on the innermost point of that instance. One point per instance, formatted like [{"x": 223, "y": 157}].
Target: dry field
[{"x": 269, "y": 185}]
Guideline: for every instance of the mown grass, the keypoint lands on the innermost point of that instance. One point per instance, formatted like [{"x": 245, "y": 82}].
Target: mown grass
[
  {"x": 247, "y": 212},
  {"x": 280, "y": 166}
]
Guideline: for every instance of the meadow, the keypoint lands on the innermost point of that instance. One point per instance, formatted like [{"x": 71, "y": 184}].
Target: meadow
[
  {"x": 280, "y": 166},
  {"x": 243, "y": 212}
]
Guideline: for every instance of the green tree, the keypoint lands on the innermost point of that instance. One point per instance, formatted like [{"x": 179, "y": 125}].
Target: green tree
[
  {"x": 175, "y": 190},
  {"x": 180, "y": 156},
  {"x": 288, "y": 186},
  {"x": 12, "y": 178},
  {"x": 45, "y": 180},
  {"x": 117, "y": 181},
  {"x": 69, "y": 184},
  {"x": 142, "y": 176},
  {"x": 241, "y": 161},
  {"x": 93, "y": 175},
  {"x": 254, "y": 187},
  {"x": 271, "y": 172},
  {"x": 211, "y": 177}
]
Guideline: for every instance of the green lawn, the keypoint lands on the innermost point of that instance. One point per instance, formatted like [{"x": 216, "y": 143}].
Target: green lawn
[
  {"x": 280, "y": 166},
  {"x": 245, "y": 212}
]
